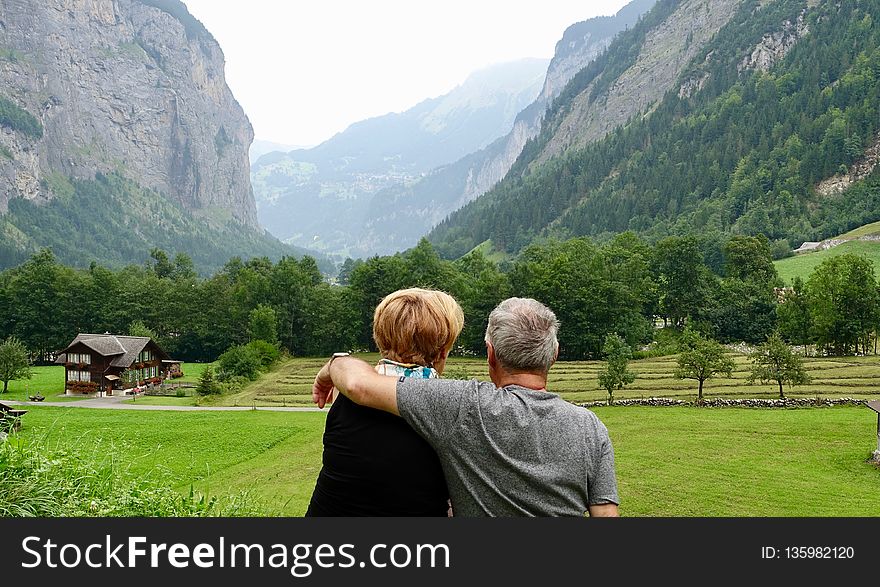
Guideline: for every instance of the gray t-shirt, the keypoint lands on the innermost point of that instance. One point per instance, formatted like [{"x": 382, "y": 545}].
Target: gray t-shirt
[{"x": 511, "y": 451}]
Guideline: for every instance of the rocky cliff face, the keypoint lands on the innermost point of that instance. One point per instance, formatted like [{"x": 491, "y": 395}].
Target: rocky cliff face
[
  {"x": 129, "y": 86},
  {"x": 666, "y": 51}
]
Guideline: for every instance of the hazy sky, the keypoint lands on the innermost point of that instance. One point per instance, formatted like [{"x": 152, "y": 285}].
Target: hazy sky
[{"x": 304, "y": 70}]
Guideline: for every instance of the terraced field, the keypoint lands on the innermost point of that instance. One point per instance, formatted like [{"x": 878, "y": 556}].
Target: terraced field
[{"x": 290, "y": 384}]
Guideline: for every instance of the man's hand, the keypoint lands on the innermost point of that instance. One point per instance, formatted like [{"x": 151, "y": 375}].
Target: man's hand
[{"x": 322, "y": 389}]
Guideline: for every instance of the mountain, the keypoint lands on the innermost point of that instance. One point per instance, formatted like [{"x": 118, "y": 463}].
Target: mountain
[
  {"x": 318, "y": 197},
  {"x": 260, "y": 148},
  {"x": 117, "y": 129},
  {"x": 401, "y": 214},
  {"x": 708, "y": 116}
]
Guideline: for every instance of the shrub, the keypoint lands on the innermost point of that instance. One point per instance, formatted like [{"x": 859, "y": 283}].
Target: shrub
[
  {"x": 248, "y": 360},
  {"x": 241, "y": 360},
  {"x": 267, "y": 352}
]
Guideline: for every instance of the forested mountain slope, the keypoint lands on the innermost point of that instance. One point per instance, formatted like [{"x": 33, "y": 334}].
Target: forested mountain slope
[{"x": 784, "y": 96}]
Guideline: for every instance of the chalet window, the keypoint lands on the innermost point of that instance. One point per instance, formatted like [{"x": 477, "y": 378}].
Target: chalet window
[
  {"x": 83, "y": 358},
  {"x": 79, "y": 375}
]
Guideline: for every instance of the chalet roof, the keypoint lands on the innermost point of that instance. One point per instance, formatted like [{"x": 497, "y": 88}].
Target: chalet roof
[
  {"x": 103, "y": 345},
  {"x": 123, "y": 349}
]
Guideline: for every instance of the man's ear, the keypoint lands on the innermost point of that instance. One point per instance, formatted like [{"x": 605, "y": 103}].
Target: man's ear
[{"x": 490, "y": 353}]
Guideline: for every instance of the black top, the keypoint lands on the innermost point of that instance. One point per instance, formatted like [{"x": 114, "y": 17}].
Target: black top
[{"x": 376, "y": 465}]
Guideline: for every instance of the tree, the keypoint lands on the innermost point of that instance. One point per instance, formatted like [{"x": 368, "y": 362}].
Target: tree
[
  {"x": 750, "y": 258},
  {"x": 14, "y": 362},
  {"x": 207, "y": 384},
  {"x": 138, "y": 328},
  {"x": 683, "y": 277},
  {"x": 263, "y": 324},
  {"x": 161, "y": 265},
  {"x": 775, "y": 361},
  {"x": 344, "y": 276},
  {"x": 740, "y": 310},
  {"x": 793, "y": 315},
  {"x": 701, "y": 359},
  {"x": 844, "y": 304},
  {"x": 615, "y": 375},
  {"x": 479, "y": 288},
  {"x": 593, "y": 291}
]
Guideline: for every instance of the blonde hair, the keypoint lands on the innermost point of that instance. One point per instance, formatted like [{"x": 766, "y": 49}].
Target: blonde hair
[{"x": 417, "y": 325}]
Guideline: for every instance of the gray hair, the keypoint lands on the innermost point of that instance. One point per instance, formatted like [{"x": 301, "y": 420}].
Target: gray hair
[{"x": 523, "y": 333}]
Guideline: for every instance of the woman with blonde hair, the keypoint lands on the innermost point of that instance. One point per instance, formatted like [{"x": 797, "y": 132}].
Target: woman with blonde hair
[{"x": 374, "y": 464}]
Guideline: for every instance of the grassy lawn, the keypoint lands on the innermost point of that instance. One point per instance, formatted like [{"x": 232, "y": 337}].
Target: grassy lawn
[
  {"x": 804, "y": 264},
  {"x": 47, "y": 380},
  {"x": 670, "y": 461},
  {"x": 290, "y": 384},
  {"x": 197, "y": 447},
  {"x": 866, "y": 230},
  {"x": 745, "y": 462},
  {"x": 192, "y": 372}
]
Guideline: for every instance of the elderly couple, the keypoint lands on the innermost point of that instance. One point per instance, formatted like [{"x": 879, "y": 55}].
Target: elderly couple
[{"x": 400, "y": 441}]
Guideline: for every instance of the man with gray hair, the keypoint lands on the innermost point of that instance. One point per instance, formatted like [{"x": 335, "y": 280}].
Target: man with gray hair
[{"x": 510, "y": 447}]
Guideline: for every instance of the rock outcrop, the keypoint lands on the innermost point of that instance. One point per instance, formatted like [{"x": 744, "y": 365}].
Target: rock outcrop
[
  {"x": 860, "y": 170},
  {"x": 129, "y": 86},
  {"x": 775, "y": 46}
]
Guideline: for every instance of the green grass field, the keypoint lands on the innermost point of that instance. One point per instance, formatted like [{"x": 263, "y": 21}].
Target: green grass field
[
  {"x": 48, "y": 380},
  {"x": 872, "y": 229},
  {"x": 200, "y": 448},
  {"x": 803, "y": 265},
  {"x": 290, "y": 384},
  {"x": 670, "y": 461},
  {"x": 192, "y": 372}
]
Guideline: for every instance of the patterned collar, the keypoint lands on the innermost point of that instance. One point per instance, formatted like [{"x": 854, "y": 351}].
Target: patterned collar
[{"x": 408, "y": 370}]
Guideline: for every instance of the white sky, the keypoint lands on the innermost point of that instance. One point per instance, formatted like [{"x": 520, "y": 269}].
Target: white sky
[{"x": 305, "y": 70}]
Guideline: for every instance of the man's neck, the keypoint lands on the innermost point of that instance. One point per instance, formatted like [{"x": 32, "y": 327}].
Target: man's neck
[{"x": 527, "y": 380}]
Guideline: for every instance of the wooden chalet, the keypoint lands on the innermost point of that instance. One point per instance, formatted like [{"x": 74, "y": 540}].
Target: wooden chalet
[{"x": 95, "y": 363}]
